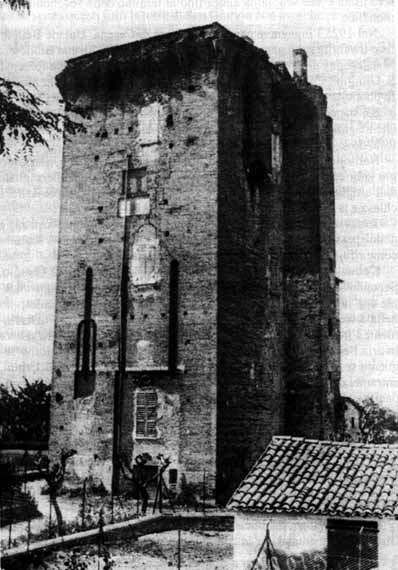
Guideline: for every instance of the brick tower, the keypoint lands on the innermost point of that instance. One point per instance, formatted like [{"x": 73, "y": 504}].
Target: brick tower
[{"x": 195, "y": 311}]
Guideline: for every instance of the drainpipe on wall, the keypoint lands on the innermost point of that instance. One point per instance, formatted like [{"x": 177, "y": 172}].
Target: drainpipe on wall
[{"x": 121, "y": 373}]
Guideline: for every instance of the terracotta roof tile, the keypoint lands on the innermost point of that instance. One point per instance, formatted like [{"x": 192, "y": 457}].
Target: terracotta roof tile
[{"x": 322, "y": 477}]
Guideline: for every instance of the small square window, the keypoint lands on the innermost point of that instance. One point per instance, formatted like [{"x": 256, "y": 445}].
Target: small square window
[
  {"x": 134, "y": 206},
  {"x": 141, "y": 206},
  {"x": 124, "y": 207}
]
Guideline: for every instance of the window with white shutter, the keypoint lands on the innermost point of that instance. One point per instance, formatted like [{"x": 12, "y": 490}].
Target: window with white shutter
[{"x": 146, "y": 414}]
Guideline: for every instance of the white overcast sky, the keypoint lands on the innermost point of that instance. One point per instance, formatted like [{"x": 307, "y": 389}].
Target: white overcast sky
[{"x": 351, "y": 50}]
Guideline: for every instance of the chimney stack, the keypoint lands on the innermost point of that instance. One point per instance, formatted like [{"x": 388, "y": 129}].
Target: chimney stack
[{"x": 300, "y": 65}]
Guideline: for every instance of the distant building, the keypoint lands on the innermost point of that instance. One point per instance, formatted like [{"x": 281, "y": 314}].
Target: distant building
[
  {"x": 334, "y": 504},
  {"x": 352, "y": 419},
  {"x": 196, "y": 311}
]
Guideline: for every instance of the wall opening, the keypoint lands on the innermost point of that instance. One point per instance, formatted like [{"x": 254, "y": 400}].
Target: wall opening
[
  {"x": 86, "y": 345},
  {"x": 173, "y": 315},
  {"x": 352, "y": 542},
  {"x": 145, "y": 261}
]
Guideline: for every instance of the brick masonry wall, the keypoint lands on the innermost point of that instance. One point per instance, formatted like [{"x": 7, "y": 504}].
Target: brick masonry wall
[
  {"x": 250, "y": 316},
  {"x": 182, "y": 186},
  {"x": 254, "y": 355},
  {"x": 310, "y": 254}
]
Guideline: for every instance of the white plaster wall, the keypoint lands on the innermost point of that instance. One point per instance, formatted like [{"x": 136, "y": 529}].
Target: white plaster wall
[
  {"x": 388, "y": 545},
  {"x": 290, "y": 534},
  {"x": 295, "y": 535}
]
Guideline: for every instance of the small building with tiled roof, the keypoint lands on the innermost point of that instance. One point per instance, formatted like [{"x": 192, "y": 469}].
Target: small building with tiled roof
[{"x": 335, "y": 503}]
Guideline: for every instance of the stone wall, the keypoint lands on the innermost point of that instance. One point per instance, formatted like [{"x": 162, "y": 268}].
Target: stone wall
[
  {"x": 250, "y": 306},
  {"x": 167, "y": 125}
]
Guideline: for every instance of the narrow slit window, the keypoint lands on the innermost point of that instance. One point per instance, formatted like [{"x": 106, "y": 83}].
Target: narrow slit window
[
  {"x": 276, "y": 156},
  {"x": 86, "y": 345},
  {"x": 173, "y": 315}
]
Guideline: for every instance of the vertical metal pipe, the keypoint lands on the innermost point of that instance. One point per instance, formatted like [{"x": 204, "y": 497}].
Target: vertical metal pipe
[{"x": 120, "y": 376}]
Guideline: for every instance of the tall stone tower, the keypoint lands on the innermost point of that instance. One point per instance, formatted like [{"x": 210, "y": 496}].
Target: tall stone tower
[{"x": 196, "y": 299}]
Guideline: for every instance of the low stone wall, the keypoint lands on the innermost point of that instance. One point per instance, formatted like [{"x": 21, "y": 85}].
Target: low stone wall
[{"x": 15, "y": 558}]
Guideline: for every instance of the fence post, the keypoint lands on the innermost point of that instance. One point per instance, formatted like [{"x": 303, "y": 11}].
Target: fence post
[
  {"x": 179, "y": 549},
  {"x": 49, "y": 520},
  {"x": 204, "y": 491},
  {"x": 28, "y": 541},
  {"x": 112, "y": 507},
  {"x": 360, "y": 549},
  {"x": 84, "y": 503},
  {"x": 10, "y": 525},
  {"x": 100, "y": 535},
  {"x": 25, "y": 469}
]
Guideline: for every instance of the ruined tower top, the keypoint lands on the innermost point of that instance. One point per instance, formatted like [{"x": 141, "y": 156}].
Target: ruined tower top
[{"x": 300, "y": 65}]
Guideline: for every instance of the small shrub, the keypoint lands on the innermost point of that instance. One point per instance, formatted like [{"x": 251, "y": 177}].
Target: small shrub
[{"x": 76, "y": 561}]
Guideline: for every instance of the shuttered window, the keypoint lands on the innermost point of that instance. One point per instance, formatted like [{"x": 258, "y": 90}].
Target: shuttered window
[{"x": 146, "y": 414}]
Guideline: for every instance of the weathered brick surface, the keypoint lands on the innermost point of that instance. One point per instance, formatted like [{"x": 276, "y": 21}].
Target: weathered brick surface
[{"x": 254, "y": 356}]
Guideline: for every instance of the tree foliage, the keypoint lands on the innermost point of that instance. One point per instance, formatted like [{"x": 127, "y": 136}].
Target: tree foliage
[
  {"x": 378, "y": 424},
  {"x": 24, "y": 120},
  {"x": 25, "y": 412},
  {"x": 18, "y": 4}
]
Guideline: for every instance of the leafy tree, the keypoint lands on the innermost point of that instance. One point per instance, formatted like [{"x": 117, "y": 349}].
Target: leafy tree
[
  {"x": 25, "y": 412},
  {"x": 54, "y": 475},
  {"x": 24, "y": 121},
  {"x": 378, "y": 424}
]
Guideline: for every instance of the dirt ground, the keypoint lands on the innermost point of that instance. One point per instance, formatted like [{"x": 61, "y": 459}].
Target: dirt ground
[{"x": 207, "y": 550}]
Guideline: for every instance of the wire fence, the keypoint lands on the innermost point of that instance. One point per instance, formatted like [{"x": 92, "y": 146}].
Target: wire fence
[{"x": 92, "y": 509}]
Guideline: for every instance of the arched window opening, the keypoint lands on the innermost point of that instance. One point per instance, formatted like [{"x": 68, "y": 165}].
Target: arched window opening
[
  {"x": 145, "y": 260},
  {"x": 86, "y": 343}
]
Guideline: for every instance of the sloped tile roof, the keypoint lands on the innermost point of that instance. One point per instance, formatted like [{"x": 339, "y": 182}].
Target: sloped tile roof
[{"x": 298, "y": 475}]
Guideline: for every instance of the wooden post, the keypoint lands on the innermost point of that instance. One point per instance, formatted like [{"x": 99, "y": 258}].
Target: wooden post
[
  {"x": 84, "y": 503},
  {"x": 10, "y": 525},
  {"x": 25, "y": 470},
  {"x": 360, "y": 549},
  {"x": 204, "y": 491},
  {"x": 112, "y": 506},
  {"x": 49, "y": 520},
  {"x": 28, "y": 541},
  {"x": 179, "y": 549}
]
